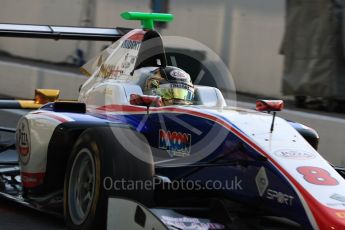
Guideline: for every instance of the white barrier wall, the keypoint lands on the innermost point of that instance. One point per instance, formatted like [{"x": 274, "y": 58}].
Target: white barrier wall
[
  {"x": 256, "y": 35},
  {"x": 245, "y": 33},
  {"x": 62, "y": 12},
  {"x": 20, "y": 81}
]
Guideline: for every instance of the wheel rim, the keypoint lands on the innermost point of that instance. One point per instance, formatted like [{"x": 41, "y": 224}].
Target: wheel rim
[{"x": 81, "y": 187}]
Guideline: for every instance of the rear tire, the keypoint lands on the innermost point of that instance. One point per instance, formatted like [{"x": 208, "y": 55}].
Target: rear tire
[{"x": 98, "y": 155}]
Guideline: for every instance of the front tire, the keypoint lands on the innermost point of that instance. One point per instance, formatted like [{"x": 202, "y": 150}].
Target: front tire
[{"x": 98, "y": 154}]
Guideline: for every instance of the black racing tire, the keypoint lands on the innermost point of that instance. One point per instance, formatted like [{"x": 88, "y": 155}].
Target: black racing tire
[{"x": 99, "y": 153}]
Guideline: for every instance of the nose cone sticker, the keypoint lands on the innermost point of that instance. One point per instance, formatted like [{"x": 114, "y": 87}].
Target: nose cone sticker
[
  {"x": 261, "y": 181},
  {"x": 177, "y": 144},
  {"x": 23, "y": 141},
  {"x": 294, "y": 154}
]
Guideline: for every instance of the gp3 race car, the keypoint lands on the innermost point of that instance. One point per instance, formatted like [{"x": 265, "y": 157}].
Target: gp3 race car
[{"x": 144, "y": 148}]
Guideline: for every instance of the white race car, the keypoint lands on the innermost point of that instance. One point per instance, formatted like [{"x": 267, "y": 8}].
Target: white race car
[{"x": 144, "y": 148}]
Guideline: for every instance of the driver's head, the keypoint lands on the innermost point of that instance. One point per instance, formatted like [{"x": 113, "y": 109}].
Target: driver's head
[{"x": 172, "y": 84}]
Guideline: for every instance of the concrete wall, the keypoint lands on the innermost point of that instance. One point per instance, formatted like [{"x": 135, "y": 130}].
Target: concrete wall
[
  {"x": 245, "y": 33},
  {"x": 59, "y": 12},
  {"x": 20, "y": 81},
  {"x": 256, "y": 35}
]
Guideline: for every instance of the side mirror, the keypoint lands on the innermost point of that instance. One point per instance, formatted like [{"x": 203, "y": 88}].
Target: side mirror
[
  {"x": 146, "y": 100},
  {"x": 269, "y": 105}
]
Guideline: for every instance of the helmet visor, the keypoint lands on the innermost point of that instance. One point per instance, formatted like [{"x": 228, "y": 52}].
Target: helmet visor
[{"x": 171, "y": 91}]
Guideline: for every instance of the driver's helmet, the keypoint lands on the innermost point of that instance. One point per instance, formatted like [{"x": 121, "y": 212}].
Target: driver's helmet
[{"x": 172, "y": 84}]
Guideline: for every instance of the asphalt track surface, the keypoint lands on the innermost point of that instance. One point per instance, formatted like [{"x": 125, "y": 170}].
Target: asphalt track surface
[{"x": 16, "y": 217}]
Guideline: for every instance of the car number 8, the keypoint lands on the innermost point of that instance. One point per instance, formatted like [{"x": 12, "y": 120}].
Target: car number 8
[{"x": 318, "y": 176}]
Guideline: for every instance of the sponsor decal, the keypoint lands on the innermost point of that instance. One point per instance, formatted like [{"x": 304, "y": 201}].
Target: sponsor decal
[
  {"x": 317, "y": 176},
  {"x": 23, "y": 141},
  {"x": 130, "y": 44},
  {"x": 182, "y": 86},
  {"x": 338, "y": 197},
  {"x": 178, "y": 74},
  {"x": 107, "y": 71},
  {"x": 132, "y": 59},
  {"x": 261, "y": 181},
  {"x": 280, "y": 197},
  {"x": 340, "y": 215},
  {"x": 190, "y": 223},
  {"x": 125, "y": 64},
  {"x": 294, "y": 154},
  {"x": 128, "y": 61},
  {"x": 137, "y": 36},
  {"x": 31, "y": 180},
  {"x": 176, "y": 143}
]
